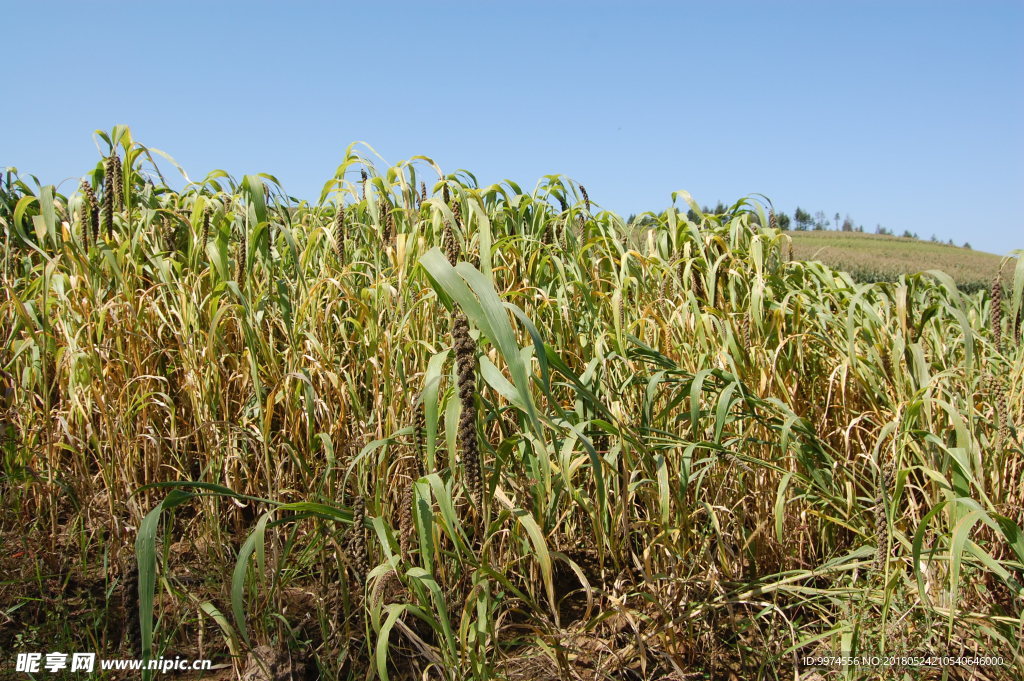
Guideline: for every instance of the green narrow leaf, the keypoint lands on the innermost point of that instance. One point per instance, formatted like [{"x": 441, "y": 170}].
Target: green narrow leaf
[{"x": 238, "y": 586}]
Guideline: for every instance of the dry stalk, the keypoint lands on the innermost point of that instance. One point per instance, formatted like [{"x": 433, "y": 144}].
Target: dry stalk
[
  {"x": 887, "y": 482},
  {"x": 130, "y": 603}
]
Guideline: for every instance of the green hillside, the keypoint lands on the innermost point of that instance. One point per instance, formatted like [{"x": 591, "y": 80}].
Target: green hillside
[{"x": 875, "y": 257}]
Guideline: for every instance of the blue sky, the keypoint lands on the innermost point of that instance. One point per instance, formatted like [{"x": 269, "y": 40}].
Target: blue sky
[{"x": 905, "y": 114}]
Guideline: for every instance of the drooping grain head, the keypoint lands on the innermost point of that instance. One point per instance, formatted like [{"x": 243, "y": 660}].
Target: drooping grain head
[
  {"x": 698, "y": 285},
  {"x": 90, "y": 213},
  {"x": 1005, "y": 417},
  {"x": 465, "y": 360},
  {"x": 1001, "y": 409},
  {"x": 205, "y": 238},
  {"x": 997, "y": 311},
  {"x": 457, "y": 212},
  {"x": 586, "y": 197},
  {"x": 357, "y": 541},
  {"x": 420, "y": 433},
  {"x": 109, "y": 189},
  {"x": 412, "y": 470},
  {"x": 388, "y": 219},
  {"x": 94, "y": 220},
  {"x": 886, "y": 363},
  {"x": 773, "y": 223},
  {"x": 547, "y": 232},
  {"x": 735, "y": 461},
  {"x": 117, "y": 180},
  {"x": 83, "y": 222},
  {"x": 385, "y": 590},
  {"x": 451, "y": 244},
  {"x": 423, "y": 192},
  {"x": 240, "y": 263},
  {"x": 169, "y": 233},
  {"x": 406, "y": 525}
]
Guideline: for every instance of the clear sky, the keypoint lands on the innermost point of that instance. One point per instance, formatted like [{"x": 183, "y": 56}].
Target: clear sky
[{"x": 907, "y": 114}]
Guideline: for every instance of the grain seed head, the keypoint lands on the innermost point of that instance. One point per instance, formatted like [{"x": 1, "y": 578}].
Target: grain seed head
[
  {"x": 117, "y": 180},
  {"x": 997, "y": 311},
  {"x": 240, "y": 263},
  {"x": 206, "y": 228},
  {"x": 465, "y": 360},
  {"x": 357, "y": 541},
  {"x": 109, "y": 189},
  {"x": 339, "y": 233}
]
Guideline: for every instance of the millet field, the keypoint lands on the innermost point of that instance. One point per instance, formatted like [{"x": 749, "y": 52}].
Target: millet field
[{"x": 426, "y": 429}]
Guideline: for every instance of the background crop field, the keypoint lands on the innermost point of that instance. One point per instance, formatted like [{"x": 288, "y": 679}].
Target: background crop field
[
  {"x": 876, "y": 257},
  {"x": 424, "y": 429}
]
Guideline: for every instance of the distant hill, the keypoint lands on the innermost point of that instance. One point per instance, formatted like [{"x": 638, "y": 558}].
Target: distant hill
[{"x": 875, "y": 257}]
